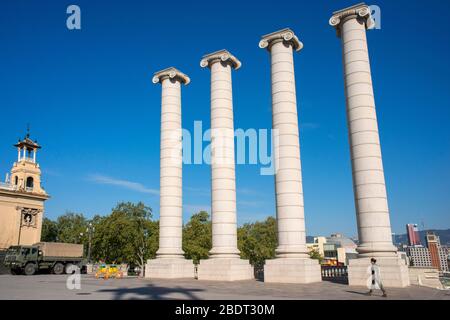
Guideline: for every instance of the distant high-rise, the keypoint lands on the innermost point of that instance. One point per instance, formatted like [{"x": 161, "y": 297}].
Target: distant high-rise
[
  {"x": 434, "y": 255},
  {"x": 413, "y": 234},
  {"x": 433, "y": 244}
]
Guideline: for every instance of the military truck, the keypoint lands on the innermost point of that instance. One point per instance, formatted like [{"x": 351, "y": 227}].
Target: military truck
[{"x": 52, "y": 256}]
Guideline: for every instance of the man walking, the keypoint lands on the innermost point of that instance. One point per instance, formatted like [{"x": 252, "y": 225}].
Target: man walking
[{"x": 376, "y": 278}]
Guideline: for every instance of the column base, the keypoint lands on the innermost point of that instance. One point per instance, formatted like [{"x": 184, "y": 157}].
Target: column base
[
  {"x": 225, "y": 269},
  {"x": 169, "y": 268},
  {"x": 394, "y": 272},
  {"x": 292, "y": 270}
]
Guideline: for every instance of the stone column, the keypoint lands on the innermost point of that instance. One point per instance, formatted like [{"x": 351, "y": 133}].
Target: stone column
[
  {"x": 292, "y": 263},
  {"x": 170, "y": 262},
  {"x": 372, "y": 213},
  {"x": 224, "y": 262}
]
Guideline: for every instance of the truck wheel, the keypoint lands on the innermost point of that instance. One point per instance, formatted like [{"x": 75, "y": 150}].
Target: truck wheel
[
  {"x": 58, "y": 268},
  {"x": 30, "y": 269}
]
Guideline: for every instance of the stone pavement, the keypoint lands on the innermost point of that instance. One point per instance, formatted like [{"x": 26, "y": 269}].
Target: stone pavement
[{"x": 54, "y": 287}]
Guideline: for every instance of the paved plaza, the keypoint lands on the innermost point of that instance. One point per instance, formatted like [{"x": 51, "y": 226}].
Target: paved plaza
[{"x": 54, "y": 287}]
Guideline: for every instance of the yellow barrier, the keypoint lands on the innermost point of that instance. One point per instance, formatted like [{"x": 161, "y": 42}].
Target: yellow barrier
[{"x": 108, "y": 271}]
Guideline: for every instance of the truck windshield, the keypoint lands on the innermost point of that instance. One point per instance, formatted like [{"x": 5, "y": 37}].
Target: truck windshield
[
  {"x": 25, "y": 251},
  {"x": 13, "y": 250}
]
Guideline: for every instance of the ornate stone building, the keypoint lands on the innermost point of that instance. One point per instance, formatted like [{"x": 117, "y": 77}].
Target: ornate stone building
[{"x": 22, "y": 198}]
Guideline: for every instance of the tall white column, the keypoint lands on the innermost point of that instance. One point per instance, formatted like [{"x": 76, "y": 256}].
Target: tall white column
[
  {"x": 372, "y": 212},
  {"x": 18, "y": 154},
  {"x": 224, "y": 262},
  {"x": 170, "y": 262},
  {"x": 223, "y": 181},
  {"x": 292, "y": 263},
  {"x": 170, "y": 206}
]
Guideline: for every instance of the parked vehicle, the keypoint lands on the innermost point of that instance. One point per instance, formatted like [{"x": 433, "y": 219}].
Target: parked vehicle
[{"x": 53, "y": 256}]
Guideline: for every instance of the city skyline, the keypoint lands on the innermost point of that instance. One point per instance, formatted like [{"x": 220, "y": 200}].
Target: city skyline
[{"x": 93, "y": 108}]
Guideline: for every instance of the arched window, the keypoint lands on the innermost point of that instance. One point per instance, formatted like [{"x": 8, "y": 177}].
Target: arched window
[
  {"x": 30, "y": 182},
  {"x": 16, "y": 180}
]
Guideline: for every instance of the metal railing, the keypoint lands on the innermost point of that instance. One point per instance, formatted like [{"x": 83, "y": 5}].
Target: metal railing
[
  {"x": 335, "y": 274},
  {"x": 259, "y": 273}
]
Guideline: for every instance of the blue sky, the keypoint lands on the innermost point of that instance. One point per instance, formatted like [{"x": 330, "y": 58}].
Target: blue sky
[{"x": 91, "y": 104}]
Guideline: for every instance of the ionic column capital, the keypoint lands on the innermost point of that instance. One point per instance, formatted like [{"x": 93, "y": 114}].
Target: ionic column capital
[
  {"x": 285, "y": 35},
  {"x": 222, "y": 55},
  {"x": 171, "y": 73},
  {"x": 361, "y": 11}
]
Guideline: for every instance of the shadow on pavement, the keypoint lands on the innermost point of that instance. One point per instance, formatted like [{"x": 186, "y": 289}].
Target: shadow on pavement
[
  {"x": 360, "y": 293},
  {"x": 151, "y": 292}
]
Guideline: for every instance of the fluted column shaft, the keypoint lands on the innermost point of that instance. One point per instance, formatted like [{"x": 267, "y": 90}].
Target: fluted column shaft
[
  {"x": 288, "y": 175},
  {"x": 170, "y": 222},
  {"x": 374, "y": 228},
  {"x": 223, "y": 185}
]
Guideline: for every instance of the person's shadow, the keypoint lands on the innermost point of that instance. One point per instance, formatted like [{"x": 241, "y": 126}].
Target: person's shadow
[
  {"x": 360, "y": 293},
  {"x": 151, "y": 292}
]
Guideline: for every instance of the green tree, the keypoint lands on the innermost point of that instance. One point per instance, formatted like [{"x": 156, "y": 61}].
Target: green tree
[
  {"x": 72, "y": 228},
  {"x": 257, "y": 241},
  {"x": 197, "y": 237},
  {"x": 127, "y": 235},
  {"x": 49, "y": 230},
  {"x": 314, "y": 254}
]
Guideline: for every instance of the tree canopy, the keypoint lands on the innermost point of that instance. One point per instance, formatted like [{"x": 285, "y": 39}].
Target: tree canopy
[
  {"x": 197, "y": 237},
  {"x": 130, "y": 235},
  {"x": 127, "y": 235},
  {"x": 258, "y": 241},
  {"x": 49, "y": 230}
]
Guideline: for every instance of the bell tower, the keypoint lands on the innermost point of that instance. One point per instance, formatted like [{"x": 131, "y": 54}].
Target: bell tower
[
  {"x": 26, "y": 174},
  {"x": 22, "y": 198}
]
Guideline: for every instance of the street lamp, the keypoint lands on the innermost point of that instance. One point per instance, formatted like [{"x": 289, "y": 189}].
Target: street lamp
[{"x": 90, "y": 230}]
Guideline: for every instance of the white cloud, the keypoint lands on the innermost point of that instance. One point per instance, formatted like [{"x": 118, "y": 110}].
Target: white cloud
[{"x": 130, "y": 185}]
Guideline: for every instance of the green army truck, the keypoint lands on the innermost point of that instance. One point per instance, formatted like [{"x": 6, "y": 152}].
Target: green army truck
[{"x": 52, "y": 256}]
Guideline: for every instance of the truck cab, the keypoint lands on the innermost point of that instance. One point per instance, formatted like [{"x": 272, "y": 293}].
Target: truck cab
[{"x": 17, "y": 257}]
